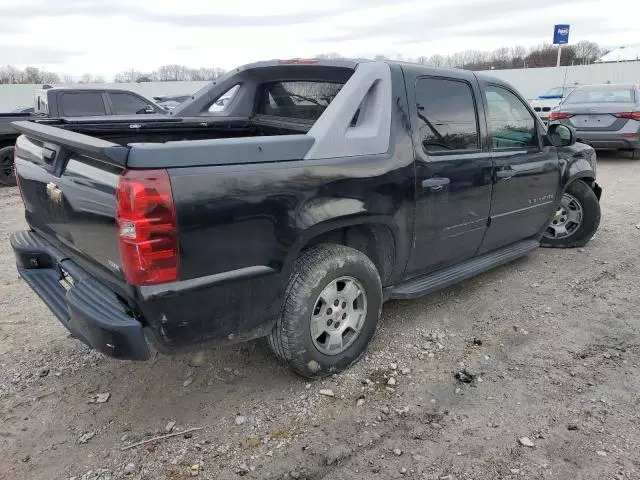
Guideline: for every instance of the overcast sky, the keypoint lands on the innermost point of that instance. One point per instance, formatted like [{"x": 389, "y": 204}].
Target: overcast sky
[{"x": 107, "y": 36}]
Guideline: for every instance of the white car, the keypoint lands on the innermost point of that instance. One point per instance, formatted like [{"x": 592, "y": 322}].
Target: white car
[{"x": 549, "y": 100}]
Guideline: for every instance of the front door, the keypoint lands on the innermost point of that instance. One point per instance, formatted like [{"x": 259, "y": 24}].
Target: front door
[
  {"x": 527, "y": 174},
  {"x": 453, "y": 171}
]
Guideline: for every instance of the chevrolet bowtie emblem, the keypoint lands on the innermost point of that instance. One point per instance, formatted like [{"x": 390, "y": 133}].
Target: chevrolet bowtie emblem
[{"x": 54, "y": 193}]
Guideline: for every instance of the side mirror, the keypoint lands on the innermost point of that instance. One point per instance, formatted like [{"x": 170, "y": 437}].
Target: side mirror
[{"x": 561, "y": 135}]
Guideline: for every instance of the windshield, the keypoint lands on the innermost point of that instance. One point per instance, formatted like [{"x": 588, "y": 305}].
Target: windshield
[
  {"x": 558, "y": 92},
  {"x": 554, "y": 92},
  {"x": 601, "y": 94}
]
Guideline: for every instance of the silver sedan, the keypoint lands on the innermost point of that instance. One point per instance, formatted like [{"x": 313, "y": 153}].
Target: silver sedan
[{"x": 607, "y": 117}]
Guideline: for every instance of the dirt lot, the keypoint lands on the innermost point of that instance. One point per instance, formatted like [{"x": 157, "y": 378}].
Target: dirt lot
[{"x": 557, "y": 364}]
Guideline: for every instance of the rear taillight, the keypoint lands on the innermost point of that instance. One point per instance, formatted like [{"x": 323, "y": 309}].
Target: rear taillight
[
  {"x": 559, "y": 115},
  {"x": 147, "y": 227},
  {"x": 628, "y": 115}
]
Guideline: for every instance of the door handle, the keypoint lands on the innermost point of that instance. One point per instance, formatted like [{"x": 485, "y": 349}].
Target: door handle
[
  {"x": 436, "y": 183},
  {"x": 506, "y": 173}
]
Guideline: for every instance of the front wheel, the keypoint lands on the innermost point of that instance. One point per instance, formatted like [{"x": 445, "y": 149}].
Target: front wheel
[
  {"x": 330, "y": 312},
  {"x": 7, "y": 172},
  {"x": 576, "y": 220}
]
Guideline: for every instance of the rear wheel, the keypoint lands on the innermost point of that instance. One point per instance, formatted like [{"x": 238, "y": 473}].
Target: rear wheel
[
  {"x": 576, "y": 220},
  {"x": 331, "y": 309},
  {"x": 7, "y": 172}
]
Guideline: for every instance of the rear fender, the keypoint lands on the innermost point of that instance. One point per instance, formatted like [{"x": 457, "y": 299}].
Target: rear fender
[{"x": 336, "y": 224}]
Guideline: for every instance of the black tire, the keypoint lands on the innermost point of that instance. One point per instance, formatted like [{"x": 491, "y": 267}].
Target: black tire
[
  {"x": 635, "y": 154},
  {"x": 7, "y": 173},
  {"x": 590, "y": 222},
  {"x": 317, "y": 267}
]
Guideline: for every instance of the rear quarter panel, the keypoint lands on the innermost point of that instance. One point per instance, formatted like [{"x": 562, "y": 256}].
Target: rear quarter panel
[{"x": 242, "y": 227}]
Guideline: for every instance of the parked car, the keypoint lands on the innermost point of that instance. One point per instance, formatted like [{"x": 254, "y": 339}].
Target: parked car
[
  {"x": 23, "y": 110},
  {"x": 549, "y": 100},
  {"x": 321, "y": 190},
  {"x": 605, "y": 116},
  {"x": 69, "y": 103}
]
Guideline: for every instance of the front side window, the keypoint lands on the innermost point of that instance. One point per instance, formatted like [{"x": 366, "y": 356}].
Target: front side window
[
  {"x": 305, "y": 100},
  {"x": 82, "y": 104},
  {"x": 447, "y": 119},
  {"x": 510, "y": 122},
  {"x": 127, "y": 104}
]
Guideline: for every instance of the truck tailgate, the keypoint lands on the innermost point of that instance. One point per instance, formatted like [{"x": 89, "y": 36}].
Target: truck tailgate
[{"x": 68, "y": 183}]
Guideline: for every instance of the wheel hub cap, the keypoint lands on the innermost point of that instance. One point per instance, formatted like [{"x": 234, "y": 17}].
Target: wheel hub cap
[
  {"x": 567, "y": 219},
  {"x": 338, "y": 315}
]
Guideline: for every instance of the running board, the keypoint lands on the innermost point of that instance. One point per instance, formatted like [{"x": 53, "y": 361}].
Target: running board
[{"x": 435, "y": 281}]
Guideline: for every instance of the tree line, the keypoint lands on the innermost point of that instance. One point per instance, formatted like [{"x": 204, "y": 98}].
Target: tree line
[
  {"x": 166, "y": 73},
  {"x": 582, "y": 53}
]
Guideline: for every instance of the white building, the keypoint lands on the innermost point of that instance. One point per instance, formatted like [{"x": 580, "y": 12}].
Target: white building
[{"x": 622, "y": 54}]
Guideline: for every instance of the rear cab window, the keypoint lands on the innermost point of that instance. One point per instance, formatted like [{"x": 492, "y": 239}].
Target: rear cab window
[
  {"x": 82, "y": 104},
  {"x": 300, "y": 100}
]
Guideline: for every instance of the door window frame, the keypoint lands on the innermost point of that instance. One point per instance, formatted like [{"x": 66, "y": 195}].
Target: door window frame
[
  {"x": 419, "y": 148},
  {"x": 537, "y": 134}
]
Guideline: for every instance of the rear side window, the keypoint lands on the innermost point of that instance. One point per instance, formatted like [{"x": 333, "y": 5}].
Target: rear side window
[
  {"x": 305, "y": 100},
  {"x": 82, "y": 104},
  {"x": 127, "y": 104},
  {"x": 221, "y": 103},
  {"x": 447, "y": 118}
]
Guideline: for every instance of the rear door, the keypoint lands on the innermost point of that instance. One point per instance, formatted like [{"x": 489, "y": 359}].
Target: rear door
[
  {"x": 453, "y": 170},
  {"x": 526, "y": 173}
]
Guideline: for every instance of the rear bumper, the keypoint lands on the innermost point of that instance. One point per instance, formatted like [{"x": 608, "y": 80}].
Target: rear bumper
[
  {"x": 608, "y": 140},
  {"x": 86, "y": 307}
]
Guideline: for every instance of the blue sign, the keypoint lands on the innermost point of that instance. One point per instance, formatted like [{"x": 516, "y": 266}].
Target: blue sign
[{"x": 561, "y": 34}]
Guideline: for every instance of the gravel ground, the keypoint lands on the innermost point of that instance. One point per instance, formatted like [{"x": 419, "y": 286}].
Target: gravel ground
[{"x": 552, "y": 343}]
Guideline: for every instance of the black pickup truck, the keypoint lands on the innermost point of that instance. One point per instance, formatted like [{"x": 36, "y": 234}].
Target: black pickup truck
[
  {"x": 320, "y": 190},
  {"x": 68, "y": 103}
]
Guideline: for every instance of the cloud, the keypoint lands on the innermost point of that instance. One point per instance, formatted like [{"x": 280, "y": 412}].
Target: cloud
[
  {"x": 23, "y": 55},
  {"x": 506, "y": 19},
  {"x": 146, "y": 12}
]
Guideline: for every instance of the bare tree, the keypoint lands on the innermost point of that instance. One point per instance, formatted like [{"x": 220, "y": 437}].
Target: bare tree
[
  {"x": 172, "y": 73},
  {"x": 204, "y": 74},
  {"x": 586, "y": 52},
  {"x": 127, "y": 76},
  {"x": 328, "y": 56},
  {"x": 436, "y": 60}
]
